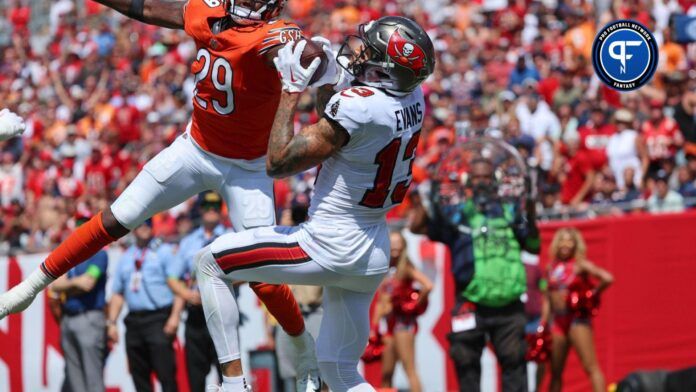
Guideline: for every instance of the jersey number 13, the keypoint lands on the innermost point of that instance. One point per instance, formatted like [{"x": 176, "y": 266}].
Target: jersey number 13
[{"x": 386, "y": 160}]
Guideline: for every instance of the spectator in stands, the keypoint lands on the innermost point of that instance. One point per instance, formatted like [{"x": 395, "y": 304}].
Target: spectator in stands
[
  {"x": 672, "y": 55},
  {"x": 521, "y": 73},
  {"x": 401, "y": 324},
  {"x": 200, "y": 351},
  {"x": 569, "y": 92},
  {"x": 550, "y": 199},
  {"x": 576, "y": 171},
  {"x": 485, "y": 238},
  {"x": 664, "y": 199},
  {"x": 595, "y": 135},
  {"x": 687, "y": 185},
  {"x": 537, "y": 120},
  {"x": 83, "y": 322},
  {"x": 568, "y": 265},
  {"x": 662, "y": 138},
  {"x": 626, "y": 150},
  {"x": 153, "y": 310},
  {"x": 629, "y": 191},
  {"x": 504, "y": 111},
  {"x": 569, "y": 123},
  {"x": 685, "y": 114},
  {"x": 523, "y": 143},
  {"x": 606, "y": 193},
  {"x": 691, "y": 166}
]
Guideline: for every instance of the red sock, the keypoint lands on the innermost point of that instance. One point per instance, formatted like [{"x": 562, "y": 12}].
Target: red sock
[
  {"x": 282, "y": 305},
  {"x": 80, "y": 245}
]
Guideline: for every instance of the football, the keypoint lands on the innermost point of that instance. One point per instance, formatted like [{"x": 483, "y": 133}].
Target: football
[{"x": 312, "y": 51}]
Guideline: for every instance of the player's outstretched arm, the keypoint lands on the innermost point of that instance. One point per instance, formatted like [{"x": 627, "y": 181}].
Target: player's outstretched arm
[
  {"x": 163, "y": 13},
  {"x": 290, "y": 154}
]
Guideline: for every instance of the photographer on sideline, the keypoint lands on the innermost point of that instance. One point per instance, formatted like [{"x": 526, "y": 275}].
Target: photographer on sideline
[{"x": 485, "y": 236}]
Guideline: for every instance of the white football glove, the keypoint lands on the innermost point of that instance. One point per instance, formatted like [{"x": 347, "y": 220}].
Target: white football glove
[
  {"x": 11, "y": 125},
  {"x": 294, "y": 77},
  {"x": 335, "y": 74}
]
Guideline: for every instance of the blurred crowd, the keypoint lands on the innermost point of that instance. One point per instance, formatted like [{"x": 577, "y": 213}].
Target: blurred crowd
[{"x": 102, "y": 94}]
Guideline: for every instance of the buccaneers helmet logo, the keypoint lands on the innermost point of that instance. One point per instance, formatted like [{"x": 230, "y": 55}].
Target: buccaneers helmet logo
[{"x": 406, "y": 53}]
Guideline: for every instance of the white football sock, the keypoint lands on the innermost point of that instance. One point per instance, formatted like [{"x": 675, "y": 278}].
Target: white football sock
[
  {"x": 22, "y": 295},
  {"x": 234, "y": 384}
]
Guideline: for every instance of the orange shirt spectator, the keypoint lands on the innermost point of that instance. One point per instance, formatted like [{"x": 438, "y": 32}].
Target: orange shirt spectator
[
  {"x": 579, "y": 39},
  {"x": 300, "y": 9},
  {"x": 348, "y": 15},
  {"x": 672, "y": 57}
]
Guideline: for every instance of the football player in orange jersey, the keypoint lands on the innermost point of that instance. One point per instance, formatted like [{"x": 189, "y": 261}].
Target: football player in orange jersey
[{"x": 223, "y": 149}]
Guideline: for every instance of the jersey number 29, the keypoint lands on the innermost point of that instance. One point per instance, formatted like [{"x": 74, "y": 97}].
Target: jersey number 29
[
  {"x": 221, "y": 77},
  {"x": 386, "y": 161}
]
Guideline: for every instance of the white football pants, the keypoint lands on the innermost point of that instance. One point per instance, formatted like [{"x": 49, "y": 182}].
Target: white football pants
[
  {"x": 272, "y": 255},
  {"x": 183, "y": 170}
]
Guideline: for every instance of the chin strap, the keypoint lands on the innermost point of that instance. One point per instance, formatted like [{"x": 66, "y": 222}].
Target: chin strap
[{"x": 245, "y": 16}]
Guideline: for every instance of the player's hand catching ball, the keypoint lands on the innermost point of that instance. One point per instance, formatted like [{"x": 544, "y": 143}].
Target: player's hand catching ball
[
  {"x": 334, "y": 75},
  {"x": 294, "y": 77},
  {"x": 11, "y": 125}
]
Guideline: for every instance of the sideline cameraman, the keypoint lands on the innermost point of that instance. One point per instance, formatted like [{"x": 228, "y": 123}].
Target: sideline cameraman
[{"x": 485, "y": 236}]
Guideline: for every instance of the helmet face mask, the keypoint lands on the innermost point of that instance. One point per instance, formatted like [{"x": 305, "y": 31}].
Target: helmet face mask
[
  {"x": 392, "y": 53},
  {"x": 356, "y": 56},
  {"x": 248, "y": 12}
]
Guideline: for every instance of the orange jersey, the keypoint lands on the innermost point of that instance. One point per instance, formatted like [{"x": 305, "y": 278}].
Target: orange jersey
[{"x": 237, "y": 92}]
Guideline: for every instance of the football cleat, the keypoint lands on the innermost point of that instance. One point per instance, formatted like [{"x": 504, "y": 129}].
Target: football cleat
[
  {"x": 310, "y": 383},
  {"x": 306, "y": 367}
]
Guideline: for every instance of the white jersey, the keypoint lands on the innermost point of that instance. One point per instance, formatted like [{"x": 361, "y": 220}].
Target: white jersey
[{"x": 358, "y": 185}]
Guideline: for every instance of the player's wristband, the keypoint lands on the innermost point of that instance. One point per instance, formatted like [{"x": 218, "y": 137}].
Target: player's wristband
[{"x": 110, "y": 323}]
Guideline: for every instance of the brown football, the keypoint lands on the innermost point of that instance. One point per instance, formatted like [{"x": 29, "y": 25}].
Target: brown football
[{"x": 310, "y": 52}]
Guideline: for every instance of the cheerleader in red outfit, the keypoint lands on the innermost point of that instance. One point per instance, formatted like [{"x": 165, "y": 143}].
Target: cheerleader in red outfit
[
  {"x": 398, "y": 305},
  {"x": 568, "y": 278}
]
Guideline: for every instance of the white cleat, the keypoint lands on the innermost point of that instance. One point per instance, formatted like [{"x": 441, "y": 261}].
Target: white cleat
[
  {"x": 307, "y": 369},
  {"x": 310, "y": 383}
]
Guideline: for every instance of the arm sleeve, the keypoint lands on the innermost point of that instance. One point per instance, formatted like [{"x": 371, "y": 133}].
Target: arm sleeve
[
  {"x": 349, "y": 112},
  {"x": 279, "y": 33}
]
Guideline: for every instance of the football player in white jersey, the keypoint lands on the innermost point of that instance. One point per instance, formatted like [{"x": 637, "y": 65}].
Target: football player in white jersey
[{"x": 365, "y": 143}]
